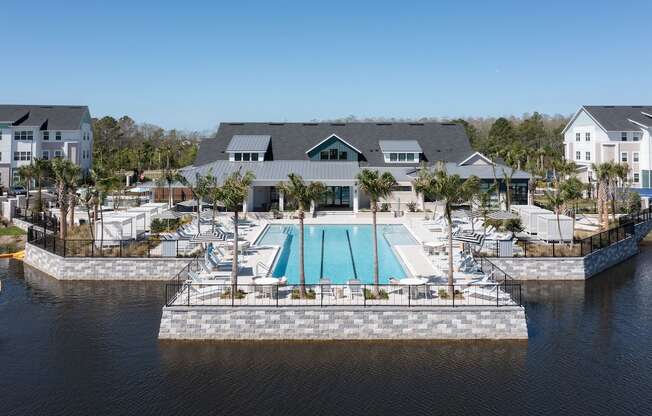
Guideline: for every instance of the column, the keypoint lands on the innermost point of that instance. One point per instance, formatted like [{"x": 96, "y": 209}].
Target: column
[
  {"x": 421, "y": 201},
  {"x": 281, "y": 201},
  {"x": 354, "y": 191}
]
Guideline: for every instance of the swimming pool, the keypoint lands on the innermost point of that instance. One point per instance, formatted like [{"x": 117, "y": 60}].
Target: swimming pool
[{"x": 337, "y": 252}]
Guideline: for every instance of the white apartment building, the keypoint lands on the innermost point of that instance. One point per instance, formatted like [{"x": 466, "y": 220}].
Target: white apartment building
[
  {"x": 604, "y": 133},
  {"x": 28, "y": 132}
]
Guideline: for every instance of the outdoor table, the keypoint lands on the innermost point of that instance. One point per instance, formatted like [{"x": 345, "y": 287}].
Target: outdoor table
[
  {"x": 268, "y": 284},
  {"x": 413, "y": 282},
  {"x": 434, "y": 246}
]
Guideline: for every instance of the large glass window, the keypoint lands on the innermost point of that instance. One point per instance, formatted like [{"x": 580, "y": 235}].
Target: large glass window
[
  {"x": 246, "y": 157},
  {"x": 254, "y": 157},
  {"x": 334, "y": 154},
  {"x": 393, "y": 157},
  {"x": 237, "y": 157},
  {"x": 401, "y": 157},
  {"x": 323, "y": 155}
]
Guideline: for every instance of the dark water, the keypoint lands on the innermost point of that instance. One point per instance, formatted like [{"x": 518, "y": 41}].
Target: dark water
[{"x": 91, "y": 348}]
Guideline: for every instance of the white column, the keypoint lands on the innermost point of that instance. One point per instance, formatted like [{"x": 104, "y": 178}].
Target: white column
[
  {"x": 281, "y": 201},
  {"x": 422, "y": 201},
  {"x": 312, "y": 207},
  {"x": 355, "y": 192}
]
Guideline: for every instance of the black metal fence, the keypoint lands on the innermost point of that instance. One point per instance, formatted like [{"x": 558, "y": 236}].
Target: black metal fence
[
  {"x": 579, "y": 247},
  {"x": 207, "y": 293},
  {"x": 146, "y": 248}
]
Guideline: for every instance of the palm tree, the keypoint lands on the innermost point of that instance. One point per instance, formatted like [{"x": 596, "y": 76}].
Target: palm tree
[
  {"x": 199, "y": 189},
  {"x": 42, "y": 170},
  {"x": 233, "y": 194},
  {"x": 303, "y": 195},
  {"x": 451, "y": 190},
  {"x": 602, "y": 173},
  {"x": 90, "y": 200},
  {"x": 619, "y": 173},
  {"x": 170, "y": 176},
  {"x": 377, "y": 186},
  {"x": 571, "y": 190},
  {"x": 105, "y": 183},
  {"x": 26, "y": 175},
  {"x": 66, "y": 176},
  {"x": 556, "y": 200}
]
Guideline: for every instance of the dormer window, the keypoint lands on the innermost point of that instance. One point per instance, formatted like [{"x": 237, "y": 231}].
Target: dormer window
[
  {"x": 248, "y": 148},
  {"x": 400, "y": 151},
  {"x": 333, "y": 148}
]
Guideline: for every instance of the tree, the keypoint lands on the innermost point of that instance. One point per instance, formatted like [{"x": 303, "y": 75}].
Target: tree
[
  {"x": 603, "y": 173},
  {"x": 233, "y": 193},
  {"x": 471, "y": 131},
  {"x": 377, "y": 186},
  {"x": 556, "y": 200},
  {"x": 501, "y": 134},
  {"x": 26, "y": 175},
  {"x": 170, "y": 175},
  {"x": 619, "y": 175},
  {"x": 513, "y": 157},
  {"x": 66, "y": 175},
  {"x": 532, "y": 131},
  {"x": 571, "y": 190},
  {"x": 105, "y": 183},
  {"x": 303, "y": 196},
  {"x": 199, "y": 189},
  {"x": 89, "y": 200},
  {"x": 42, "y": 170},
  {"x": 451, "y": 190}
]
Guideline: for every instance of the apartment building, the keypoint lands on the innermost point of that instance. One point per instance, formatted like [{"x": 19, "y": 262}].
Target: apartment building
[{"x": 45, "y": 132}]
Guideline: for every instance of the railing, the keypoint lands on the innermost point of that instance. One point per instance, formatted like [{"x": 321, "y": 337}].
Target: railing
[
  {"x": 579, "y": 247},
  {"x": 260, "y": 265},
  {"x": 147, "y": 248},
  {"x": 191, "y": 293}
]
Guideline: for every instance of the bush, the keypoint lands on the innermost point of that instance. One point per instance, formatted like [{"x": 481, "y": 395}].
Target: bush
[
  {"x": 514, "y": 225},
  {"x": 443, "y": 294},
  {"x": 296, "y": 294},
  {"x": 384, "y": 207},
  {"x": 161, "y": 226},
  {"x": 632, "y": 203},
  {"x": 412, "y": 206},
  {"x": 239, "y": 294},
  {"x": 369, "y": 294}
]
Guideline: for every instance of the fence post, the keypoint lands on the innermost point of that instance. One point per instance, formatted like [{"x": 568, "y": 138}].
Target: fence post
[
  {"x": 64, "y": 248},
  {"x": 189, "y": 293},
  {"x": 148, "y": 254},
  {"x": 93, "y": 250},
  {"x": 364, "y": 296},
  {"x": 553, "y": 249}
]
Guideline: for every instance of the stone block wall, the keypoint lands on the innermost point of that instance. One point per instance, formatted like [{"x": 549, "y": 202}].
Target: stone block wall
[
  {"x": 542, "y": 268},
  {"x": 601, "y": 260},
  {"x": 87, "y": 268},
  {"x": 342, "y": 323}
]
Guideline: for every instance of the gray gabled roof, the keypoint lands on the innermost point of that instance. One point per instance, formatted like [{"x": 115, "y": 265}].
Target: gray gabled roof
[
  {"x": 410, "y": 146},
  {"x": 45, "y": 117},
  {"x": 290, "y": 141},
  {"x": 278, "y": 170},
  {"x": 248, "y": 143},
  {"x": 617, "y": 117}
]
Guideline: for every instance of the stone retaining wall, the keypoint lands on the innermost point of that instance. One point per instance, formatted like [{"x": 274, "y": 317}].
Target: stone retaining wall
[
  {"x": 573, "y": 268},
  {"x": 342, "y": 323},
  {"x": 97, "y": 268}
]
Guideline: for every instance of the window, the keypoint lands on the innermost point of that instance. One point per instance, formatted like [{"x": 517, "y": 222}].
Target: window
[
  {"x": 636, "y": 178},
  {"x": 635, "y": 157},
  {"x": 623, "y": 156},
  {"x": 24, "y": 135},
  {"x": 578, "y": 155},
  {"x": 58, "y": 153},
  {"x": 587, "y": 136},
  {"x": 57, "y": 135},
  {"x": 588, "y": 155},
  {"x": 400, "y": 188},
  {"x": 623, "y": 136},
  {"x": 637, "y": 137},
  {"x": 22, "y": 155},
  {"x": 344, "y": 155},
  {"x": 46, "y": 135},
  {"x": 578, "y": 137},
  {"x": 45, "y": 155},
  {"x": 323, "y": 155},
  {"x": 334, "y": 154},
  {"x": 246, "y": 157},
  {"x": 402, "y": 157},
  {"x": 237, "y": 156},
  {"x": 254, "y": 157}
]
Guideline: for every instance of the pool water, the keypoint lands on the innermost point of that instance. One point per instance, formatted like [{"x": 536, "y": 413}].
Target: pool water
[{"x": 337, "y": 252}]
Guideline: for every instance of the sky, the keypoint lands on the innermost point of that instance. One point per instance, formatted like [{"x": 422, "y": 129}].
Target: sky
[{"x": 192, "y": 64}]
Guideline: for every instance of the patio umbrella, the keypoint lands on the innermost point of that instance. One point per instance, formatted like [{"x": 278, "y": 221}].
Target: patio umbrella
[{"x": 502, "y": 215}]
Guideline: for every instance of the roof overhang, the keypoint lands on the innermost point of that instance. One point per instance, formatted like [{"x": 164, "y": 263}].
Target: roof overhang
[
  {"x": 480, "y": 155},
  {"x": 638, "y": 123},
  {"x": 330, "y": 137},
  {"x": 577, "y": 113}
]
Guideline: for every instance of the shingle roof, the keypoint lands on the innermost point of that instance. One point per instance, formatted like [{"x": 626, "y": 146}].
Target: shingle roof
[
  {"x": 248, "y": 143},
  {"x": 289, "y": 141},
  {"x": 399, "y": 146},
  {"x": 616, "y": 117},
  {"x": 46, "y": 117}
]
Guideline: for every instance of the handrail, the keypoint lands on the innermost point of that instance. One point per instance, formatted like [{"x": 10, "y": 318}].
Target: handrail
[{"x": 263, "y": 266}]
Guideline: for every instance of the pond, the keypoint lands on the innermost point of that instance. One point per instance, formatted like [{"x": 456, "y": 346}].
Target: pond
[{"x": 91, "y": 348}]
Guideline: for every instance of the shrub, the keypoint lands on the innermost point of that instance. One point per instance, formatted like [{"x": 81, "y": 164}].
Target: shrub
[
  {"x": 443, "y": 294},
  {"x": 384, "y": 207},
  {"x": 633, "y": 203},
  {"x": 412, "y": 206},
  {"x": 296, "y": 294},
  {"x": 239, "y": 294},
  {"x": 369, "y": 294}
]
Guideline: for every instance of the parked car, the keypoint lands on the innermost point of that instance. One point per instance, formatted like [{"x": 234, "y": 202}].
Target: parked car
[{"x": 16, "y": 190}]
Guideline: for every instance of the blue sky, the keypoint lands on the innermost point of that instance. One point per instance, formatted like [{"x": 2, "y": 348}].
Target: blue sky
[{"x": 190, "y": 64}]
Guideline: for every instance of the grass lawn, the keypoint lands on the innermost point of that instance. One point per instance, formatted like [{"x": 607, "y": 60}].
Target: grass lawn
[{"x": 11, "y": 230}]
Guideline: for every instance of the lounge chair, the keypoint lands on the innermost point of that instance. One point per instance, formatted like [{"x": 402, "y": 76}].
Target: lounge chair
[
  {"x": 355, "y": 287},
  {"x": 324, "y": 287}
]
